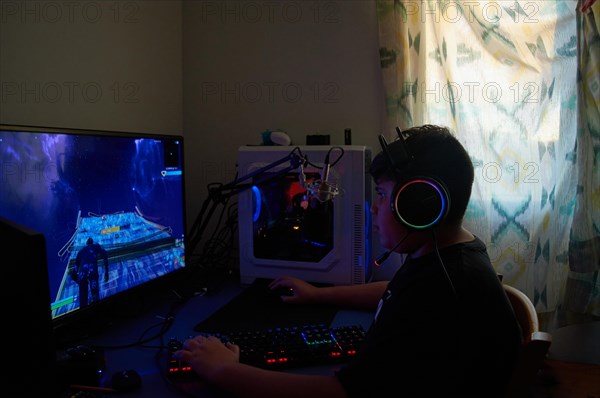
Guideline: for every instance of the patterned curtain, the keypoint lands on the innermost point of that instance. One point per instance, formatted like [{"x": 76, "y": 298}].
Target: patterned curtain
[
  {"x": 503, "y": 75},
  {"x": 583, "y": 284}
]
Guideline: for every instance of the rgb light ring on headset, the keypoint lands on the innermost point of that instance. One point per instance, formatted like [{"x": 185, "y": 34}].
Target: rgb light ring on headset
[{"x": 436, "y": 216}]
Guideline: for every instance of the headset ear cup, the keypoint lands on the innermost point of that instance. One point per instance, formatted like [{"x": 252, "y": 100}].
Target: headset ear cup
[{"x": 420, "y": 202}]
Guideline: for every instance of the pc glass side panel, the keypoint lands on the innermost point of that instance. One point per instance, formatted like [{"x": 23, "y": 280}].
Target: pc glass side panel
[{"x": 285, "y": 230}]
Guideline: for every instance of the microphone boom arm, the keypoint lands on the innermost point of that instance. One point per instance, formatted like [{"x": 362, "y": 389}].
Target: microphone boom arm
[{"x": 219, "y": 194}]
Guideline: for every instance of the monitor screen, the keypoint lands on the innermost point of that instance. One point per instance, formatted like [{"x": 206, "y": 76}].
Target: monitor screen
[{"x": 110, "y": 205}]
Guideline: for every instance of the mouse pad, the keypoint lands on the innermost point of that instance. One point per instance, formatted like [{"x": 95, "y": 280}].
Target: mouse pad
[{"x": 258, "y": 308}]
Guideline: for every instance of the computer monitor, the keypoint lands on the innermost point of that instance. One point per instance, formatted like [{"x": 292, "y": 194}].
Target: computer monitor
[
  {"x": 111, "y": 206},
  {"x": 26, "y": 313},
  {"x": 288, "y": 226}
]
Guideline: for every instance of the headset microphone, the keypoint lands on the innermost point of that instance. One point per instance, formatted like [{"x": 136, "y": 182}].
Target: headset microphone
[{"x": 385, "y": 255}]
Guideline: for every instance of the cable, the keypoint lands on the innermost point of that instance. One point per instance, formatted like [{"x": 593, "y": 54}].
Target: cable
[
  {"x": 437, "y": 252},
  {"x": 164, "y": 325},
  {"x": 339, "y": 148}
]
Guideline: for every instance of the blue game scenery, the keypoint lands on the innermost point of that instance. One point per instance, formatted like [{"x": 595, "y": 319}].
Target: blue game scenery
[{"x": 110, "y": 206}]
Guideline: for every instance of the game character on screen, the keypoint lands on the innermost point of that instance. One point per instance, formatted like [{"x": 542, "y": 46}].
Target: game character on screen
[
  {"x": 85, "y": 272},
  {"x": 442, "y": 327}
]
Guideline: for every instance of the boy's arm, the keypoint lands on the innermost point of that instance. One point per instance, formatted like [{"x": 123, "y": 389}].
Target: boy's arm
[
  {"x": 365, "y": 296},
  {"x": 249, "y": 381}
]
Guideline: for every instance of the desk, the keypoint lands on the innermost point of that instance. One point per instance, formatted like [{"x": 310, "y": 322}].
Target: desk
[
  {"x": 576, "y": 343},
  {"x": 151, "y": 366},
  {"x": 572, "y": 367}
]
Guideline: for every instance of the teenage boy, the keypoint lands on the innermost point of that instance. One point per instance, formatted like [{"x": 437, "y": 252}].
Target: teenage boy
[{"x": 443, "y": 326}]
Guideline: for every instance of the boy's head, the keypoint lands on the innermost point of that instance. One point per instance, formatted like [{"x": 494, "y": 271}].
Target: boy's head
[{"x": 434, "y": 152}]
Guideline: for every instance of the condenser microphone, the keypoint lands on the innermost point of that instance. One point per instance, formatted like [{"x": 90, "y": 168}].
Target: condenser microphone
[
  {"x": 385, "y": 255},
  {"x": 302, "y": 176},
  {"x": 322, "y": 189}
]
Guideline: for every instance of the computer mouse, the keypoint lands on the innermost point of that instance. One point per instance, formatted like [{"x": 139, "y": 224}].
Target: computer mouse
[
  {"x": 126, "y": 380},
  {"x": 282, "y": 291}
]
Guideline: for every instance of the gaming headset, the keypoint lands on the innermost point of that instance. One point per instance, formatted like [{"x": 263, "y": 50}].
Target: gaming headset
[{"x": 418, "y": 202}]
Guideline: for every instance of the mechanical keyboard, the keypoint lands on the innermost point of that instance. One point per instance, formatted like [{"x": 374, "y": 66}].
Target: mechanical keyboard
[{"x": 282, "y": 348}]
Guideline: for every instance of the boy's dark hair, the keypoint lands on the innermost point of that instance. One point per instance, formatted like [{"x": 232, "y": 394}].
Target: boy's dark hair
[{"x": 436, "y": 153}]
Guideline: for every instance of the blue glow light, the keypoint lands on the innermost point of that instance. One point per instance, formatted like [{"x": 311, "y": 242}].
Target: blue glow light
[{"x": 257, "y": 202}]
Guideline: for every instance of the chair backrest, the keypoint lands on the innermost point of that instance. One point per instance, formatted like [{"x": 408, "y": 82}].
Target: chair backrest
[
  {"x": 524, "y": 310},
  {"x": 535, "y": 344}
]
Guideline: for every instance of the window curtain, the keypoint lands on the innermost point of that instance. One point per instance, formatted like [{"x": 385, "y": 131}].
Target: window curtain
[
  {"x": 582, "y": 293},
  {"x": 503, "y": 75}
]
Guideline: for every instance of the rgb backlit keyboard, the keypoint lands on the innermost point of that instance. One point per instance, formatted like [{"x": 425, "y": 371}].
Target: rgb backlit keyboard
[{"x": 283, "y": 348}]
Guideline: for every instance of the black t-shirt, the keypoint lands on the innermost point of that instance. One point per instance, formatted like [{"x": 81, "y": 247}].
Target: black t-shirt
[{"x": 435, "y": 336}]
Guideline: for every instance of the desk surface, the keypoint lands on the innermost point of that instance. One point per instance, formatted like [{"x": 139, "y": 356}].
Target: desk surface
[
  {"x": 150, "y": 365},
  {"x": 576, "y": 343},
  {"x": 150, "y": 362}
]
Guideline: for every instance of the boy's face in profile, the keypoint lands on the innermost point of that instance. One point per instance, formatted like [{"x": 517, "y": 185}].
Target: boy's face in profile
[
  {"x": 385, "y": 225},
  {"x": 392, "y": 232}
]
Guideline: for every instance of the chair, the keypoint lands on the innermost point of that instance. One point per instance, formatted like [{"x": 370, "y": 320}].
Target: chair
[{"x": 535, "y": 345}]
